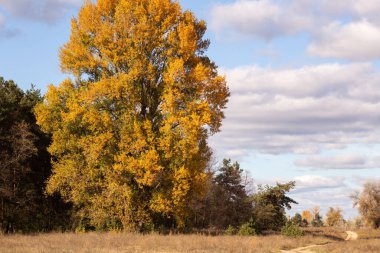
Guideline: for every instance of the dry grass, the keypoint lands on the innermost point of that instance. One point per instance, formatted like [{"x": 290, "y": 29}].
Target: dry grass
[
  {"x": 358, "y": 246},
  {"x": 330, "y": 238},
  {"x": 368, "y": 242},
  {"x": 130, "y": 243}
]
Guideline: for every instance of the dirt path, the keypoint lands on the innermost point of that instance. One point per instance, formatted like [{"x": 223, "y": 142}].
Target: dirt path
[
  {"x": 301, "y": 250},
  {"x": 351, "y": 236}
]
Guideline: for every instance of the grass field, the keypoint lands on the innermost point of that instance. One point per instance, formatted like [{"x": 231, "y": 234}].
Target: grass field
[{"x": 332, "y": 241}]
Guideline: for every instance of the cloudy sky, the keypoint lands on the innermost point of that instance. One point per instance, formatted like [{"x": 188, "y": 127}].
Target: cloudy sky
[{"x": 304, "y": 77}]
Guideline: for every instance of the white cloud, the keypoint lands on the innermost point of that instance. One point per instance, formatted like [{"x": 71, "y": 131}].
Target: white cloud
[
  {"x": 308, "y": 183},
  {"x": 354, "y": 41},
  {"x": 346, "y": 161},
  {"x": 302, "y": 110},
  {"x": 348, "y": 29},
  {"x": 265, "y": 19},
  {"x": 41, "y": 10}
]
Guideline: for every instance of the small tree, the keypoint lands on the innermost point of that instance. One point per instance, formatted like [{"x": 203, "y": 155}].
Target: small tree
[
  {"x": 269, "y": 205},
  {"x": 334, "y": 217},
  {"x": 307, "y": 217},
  {"x": 317, "y": 221},
  {"x": 297, "y": 219},
  {"x": 368, "y": 203}
]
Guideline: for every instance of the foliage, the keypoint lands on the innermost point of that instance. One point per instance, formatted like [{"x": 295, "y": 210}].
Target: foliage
[
  {"x": 247, "y": 229},
  {"x": 291, "y": 230},
  {"x": 230, "y": 230},
  {"x": 269, "y": 205},
  {"x": 307, "y": 216},
  {"x": 297, "y": 219},
  {"x": 24, "y": 165},
  {"x": 334, "y": 217},
  {"x": 368, "y": 202},
  {"x": 129, "y": 136},
  {"x": 317, "y": 221}
]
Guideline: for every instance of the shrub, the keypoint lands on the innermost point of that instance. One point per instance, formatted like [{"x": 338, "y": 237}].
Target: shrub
[
  {"x": 230, "y": 230},
  {"x": 247, "y": 229},
  {"x": 292, "y": 230}
]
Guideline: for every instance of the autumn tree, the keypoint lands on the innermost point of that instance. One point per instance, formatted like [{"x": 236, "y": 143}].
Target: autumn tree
[
  {"x": 307, "y": 217},
  {"x": 368, "y": 203},
  {"x": 334, "y": 217},
  {"x": 129, "y": 134}
]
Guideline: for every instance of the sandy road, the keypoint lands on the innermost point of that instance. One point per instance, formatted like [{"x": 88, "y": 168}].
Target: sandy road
[
  {"x": 351, "y": 235},
  {"x": 301, "y": 250}
]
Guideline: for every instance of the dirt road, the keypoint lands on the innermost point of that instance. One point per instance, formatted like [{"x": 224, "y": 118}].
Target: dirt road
[
  {"x": 350, "y": 237},
  {"x": 301, "y": 250}
]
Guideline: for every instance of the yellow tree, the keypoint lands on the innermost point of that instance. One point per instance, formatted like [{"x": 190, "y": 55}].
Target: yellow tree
[
  {"x": 307, "y": 216},
  {"x": 130, "y": 133},
  {"x": 334, "y": 217}
]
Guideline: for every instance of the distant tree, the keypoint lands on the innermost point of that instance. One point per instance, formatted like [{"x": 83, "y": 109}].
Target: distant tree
[
  {"x": 307, "y": 217},
  {"x": 315, "y": 210},
  {"x": 368, "y": 203},
  {"x": 334, "y": 217},
  {"x": 269, "y": 204},
  {"x": 297, "y": 219},
  {"x": 317, "y": 221}
]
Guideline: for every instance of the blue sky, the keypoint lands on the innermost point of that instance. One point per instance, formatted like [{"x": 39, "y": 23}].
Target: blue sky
[{"x": 304, "y": 77}]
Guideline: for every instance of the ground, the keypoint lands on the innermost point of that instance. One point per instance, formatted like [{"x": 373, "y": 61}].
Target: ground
[{"x": 328, "y": 241}]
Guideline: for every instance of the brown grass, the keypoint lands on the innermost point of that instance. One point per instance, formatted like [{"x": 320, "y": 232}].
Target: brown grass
[
  {"x": 130, "y": 243},
  {"x": 331, "y": 240},
  {"x": 358, "y": 246},
  {"x": 368, "y": 242}
]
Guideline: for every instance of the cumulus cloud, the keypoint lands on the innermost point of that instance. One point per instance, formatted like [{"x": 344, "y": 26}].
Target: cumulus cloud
[
  {"x": 304, "y": 110},
  {"x": 346, "y": 161},
  {"x": 353, "y": 41},
  {"x": 41, "y": 10},
  {"x": 325, "y": 22},
  {"x": 307, "y": 183},
  {"x": 270, "y": 18},
  {"x": 265, "y": 19}
]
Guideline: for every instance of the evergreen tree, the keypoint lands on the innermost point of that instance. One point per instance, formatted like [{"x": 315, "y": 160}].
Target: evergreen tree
[{"x": 24, "y": 165}]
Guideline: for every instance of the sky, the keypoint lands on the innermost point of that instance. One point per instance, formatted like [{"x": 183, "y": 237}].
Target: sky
[{"x": 304, "y": 77}]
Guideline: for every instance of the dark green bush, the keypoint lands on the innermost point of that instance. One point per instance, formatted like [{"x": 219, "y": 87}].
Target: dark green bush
[
  {"x": 291, "y": 230},
  {"x": 247, "y": 229},
  {"x": 231, "y": 230}
]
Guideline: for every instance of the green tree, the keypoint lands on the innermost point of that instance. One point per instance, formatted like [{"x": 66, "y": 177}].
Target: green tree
[
  {"x": 297, "y": 219},
  {"x": 129, "y": 135},
  {"x": 269, "y": 205},
  {"x": 317, "y": 221},
  {"x": 230, "y": 204},
  {"x": 24, "y": 165}
]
